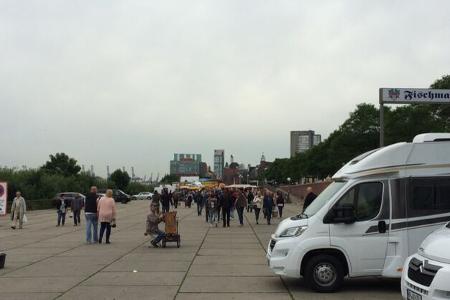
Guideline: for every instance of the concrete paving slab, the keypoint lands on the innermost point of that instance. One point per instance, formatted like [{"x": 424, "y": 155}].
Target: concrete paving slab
[
  {"x": 234, "y": 296},
  {"x": 131, "y": 279},
  {"x": 210, "y": 284},
  {"x": 230, "y": 270},
  {"x": 161, "y": 255},
  {"x": 230, "y": 260},
  {"x": 232, "y": 252},
  {"x": 147, "y": 265},
  {"x": 29, "y": 296},
  {"x": 38, "y": 284},
  {"x": 121, "y": 292},
  {"x": 61, "y": 269}
]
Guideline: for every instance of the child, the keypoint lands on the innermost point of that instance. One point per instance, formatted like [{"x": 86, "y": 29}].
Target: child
[{"x": 153, "y": 219}]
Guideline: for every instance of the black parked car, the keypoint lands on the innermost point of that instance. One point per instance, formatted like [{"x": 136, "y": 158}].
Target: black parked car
[
  {"x": 118, "y": 195},
  {"x": 68, "y": 197}
]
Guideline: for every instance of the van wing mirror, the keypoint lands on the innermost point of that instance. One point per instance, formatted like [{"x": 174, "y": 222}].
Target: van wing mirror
[{"x": 341, "y": 214}]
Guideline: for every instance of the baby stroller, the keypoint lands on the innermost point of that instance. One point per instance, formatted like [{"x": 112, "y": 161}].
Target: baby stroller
[{"x": 171, "y": 229}]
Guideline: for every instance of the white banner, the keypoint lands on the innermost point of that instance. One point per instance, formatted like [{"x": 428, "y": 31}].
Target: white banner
[
  {"x": 3, "y": 197},
  {"x": 405, "y": 95}
]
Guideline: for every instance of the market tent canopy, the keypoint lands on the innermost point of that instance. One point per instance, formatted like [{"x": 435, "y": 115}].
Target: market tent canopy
[{"x": 241, "y": 186}]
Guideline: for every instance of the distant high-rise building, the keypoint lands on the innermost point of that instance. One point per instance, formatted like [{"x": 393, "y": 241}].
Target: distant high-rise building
[
  {"x": 185, "y": 164},
  {"x": 302, "y": 141},
  {"x": 219, "y": 161}
]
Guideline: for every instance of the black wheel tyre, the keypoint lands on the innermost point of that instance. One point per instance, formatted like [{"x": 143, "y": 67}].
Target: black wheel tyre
[{"x": 324, "y": 273}]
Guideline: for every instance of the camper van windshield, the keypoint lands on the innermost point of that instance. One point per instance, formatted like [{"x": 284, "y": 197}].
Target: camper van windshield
[{"x": 324, "y": 197}]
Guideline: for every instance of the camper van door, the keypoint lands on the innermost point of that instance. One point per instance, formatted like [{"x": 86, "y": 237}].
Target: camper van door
[{"x": 362, "y": 240}]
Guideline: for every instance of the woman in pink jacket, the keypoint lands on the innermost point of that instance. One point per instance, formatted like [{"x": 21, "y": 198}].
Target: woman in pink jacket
[{"x": 106, "y": 209}]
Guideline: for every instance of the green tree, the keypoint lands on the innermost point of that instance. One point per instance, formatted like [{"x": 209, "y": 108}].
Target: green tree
[
  {"x": 169, "y": 179},
  {"x": 62, "y": 164},
  {"x": 120, "y": 178}
]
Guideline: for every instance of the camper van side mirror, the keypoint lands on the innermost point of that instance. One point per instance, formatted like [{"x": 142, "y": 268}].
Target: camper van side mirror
[{"x": 341, "y": 214}]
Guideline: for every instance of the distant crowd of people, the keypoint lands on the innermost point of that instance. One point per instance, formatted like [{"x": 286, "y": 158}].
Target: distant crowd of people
[
  {"x": 219, "y": 204},
  {"x": 222, "y": 203}
]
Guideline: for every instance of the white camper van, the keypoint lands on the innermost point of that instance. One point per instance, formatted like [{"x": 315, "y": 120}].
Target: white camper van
[{"x": 379, "y": 208}]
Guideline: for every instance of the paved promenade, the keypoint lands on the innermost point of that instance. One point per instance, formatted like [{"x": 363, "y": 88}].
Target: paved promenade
[{"x": 49, "y": 262}]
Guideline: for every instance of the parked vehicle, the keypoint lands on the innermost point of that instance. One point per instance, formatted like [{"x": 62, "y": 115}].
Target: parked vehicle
[
  {"x": 378, "y": 210},
  {"x": 142, "y": 196},
  {"x": 68, "y": 197},
  {"x": 118, "y": 195},
  {"x": 426, "y": 274}
]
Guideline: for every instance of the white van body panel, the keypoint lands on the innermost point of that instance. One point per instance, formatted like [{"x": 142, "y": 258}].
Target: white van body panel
[{"x": 367, "y": 251}]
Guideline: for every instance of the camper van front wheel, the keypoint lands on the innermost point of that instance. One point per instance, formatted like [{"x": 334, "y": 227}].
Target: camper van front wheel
[{"x": 324, "y": 273}]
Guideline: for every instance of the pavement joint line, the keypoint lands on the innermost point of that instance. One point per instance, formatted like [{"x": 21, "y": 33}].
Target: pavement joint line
[
  {"x": 52, "y": 255},
  {"x": 107, "y": 265},
  {"x": 192, "y": 261},
  {"x": 265, "y": 251}
]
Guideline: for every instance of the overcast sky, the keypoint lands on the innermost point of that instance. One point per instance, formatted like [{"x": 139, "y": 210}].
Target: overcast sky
[{"x": 128, "y": 83}]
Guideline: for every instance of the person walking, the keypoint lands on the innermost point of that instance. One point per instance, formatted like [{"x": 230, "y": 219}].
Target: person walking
[
  {"x": 280, "y": 203},
  {"x": 250, "y": 197},
  {"x": 310, "y": 196},
  {"x": 106, "y": 215},
  {"x": 257, "y": 204},
  {"x": 61, "y": 209},
  {"x": 18, "y": 210},
  {"x": 226, "y": 207},
  {"x": 198, "y": 198},
  {"x": 211, "y": 204},
  {"x": 165, "y": 201},
  {"x": 268, "y": 206},
  {"x": 176, "y": 198},
  {"x": 90, "y": 213},
  {"x": 155, "y": 200},
  {"x": 205, "y": 197},
  {"x": 219, "y": 196},
  {"x": 76, "y": 205},
  {"x": 241, "y": 203}
]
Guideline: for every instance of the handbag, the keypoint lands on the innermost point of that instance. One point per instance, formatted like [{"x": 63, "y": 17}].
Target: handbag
[
  {"x": 113, "y": 223},
  {"x": 25, "y": 219}
]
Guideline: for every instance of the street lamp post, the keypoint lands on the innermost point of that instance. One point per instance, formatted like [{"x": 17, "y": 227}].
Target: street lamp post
[{"x": 289, "y": 188}]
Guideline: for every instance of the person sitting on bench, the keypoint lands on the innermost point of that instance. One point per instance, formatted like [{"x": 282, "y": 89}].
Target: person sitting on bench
[{"x": 153, "y": 219}]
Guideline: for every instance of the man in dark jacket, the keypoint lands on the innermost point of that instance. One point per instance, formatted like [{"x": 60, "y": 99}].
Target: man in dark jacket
[
  {"x": 241, "y": 203},
  {"x": 165, "y": 201},
  {"x": 268, "y": 205},
  {"x": 309, "y": 198},
  {"x": 90, "y": 211},
  {"x": 226, "y": 204},
  {"x": 76, "y": 205}
]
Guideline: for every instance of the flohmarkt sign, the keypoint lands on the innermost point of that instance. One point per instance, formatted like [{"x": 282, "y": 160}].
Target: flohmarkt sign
[{"x": 408, "y": 96}]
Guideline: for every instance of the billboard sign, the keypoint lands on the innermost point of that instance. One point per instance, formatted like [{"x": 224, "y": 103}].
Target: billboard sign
[
  {"x": 3, "y": 197},
  {"x": 409, "y": 96}
]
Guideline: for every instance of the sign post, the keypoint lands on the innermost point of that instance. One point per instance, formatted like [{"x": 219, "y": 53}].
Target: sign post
[
  {"x": 3, "y": 197},
  {"x": 409, "y": 96}
]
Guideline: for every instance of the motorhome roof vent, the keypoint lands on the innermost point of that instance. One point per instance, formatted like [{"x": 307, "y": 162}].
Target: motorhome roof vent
[{"x": 432, "y": 137}]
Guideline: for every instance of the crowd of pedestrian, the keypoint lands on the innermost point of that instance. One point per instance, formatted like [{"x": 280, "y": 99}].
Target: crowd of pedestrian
[
  {"x": 222, "y": 203},
  {"x": 217, "y": 205}
]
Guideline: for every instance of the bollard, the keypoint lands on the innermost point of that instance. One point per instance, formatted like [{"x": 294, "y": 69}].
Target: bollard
[{"x": 2, "y": 260}]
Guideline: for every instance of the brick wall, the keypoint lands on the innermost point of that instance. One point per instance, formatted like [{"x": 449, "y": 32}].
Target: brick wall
[{"x": 298, "y": 192}]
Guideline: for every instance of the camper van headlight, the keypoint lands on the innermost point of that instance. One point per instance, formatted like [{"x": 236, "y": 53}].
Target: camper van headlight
[{"x": 293, "y": 231}]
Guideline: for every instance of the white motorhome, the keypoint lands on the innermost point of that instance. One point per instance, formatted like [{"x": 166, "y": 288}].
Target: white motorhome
[
  {"x": 379, "y": 208},
  {"x": 426, "y": 274}
]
